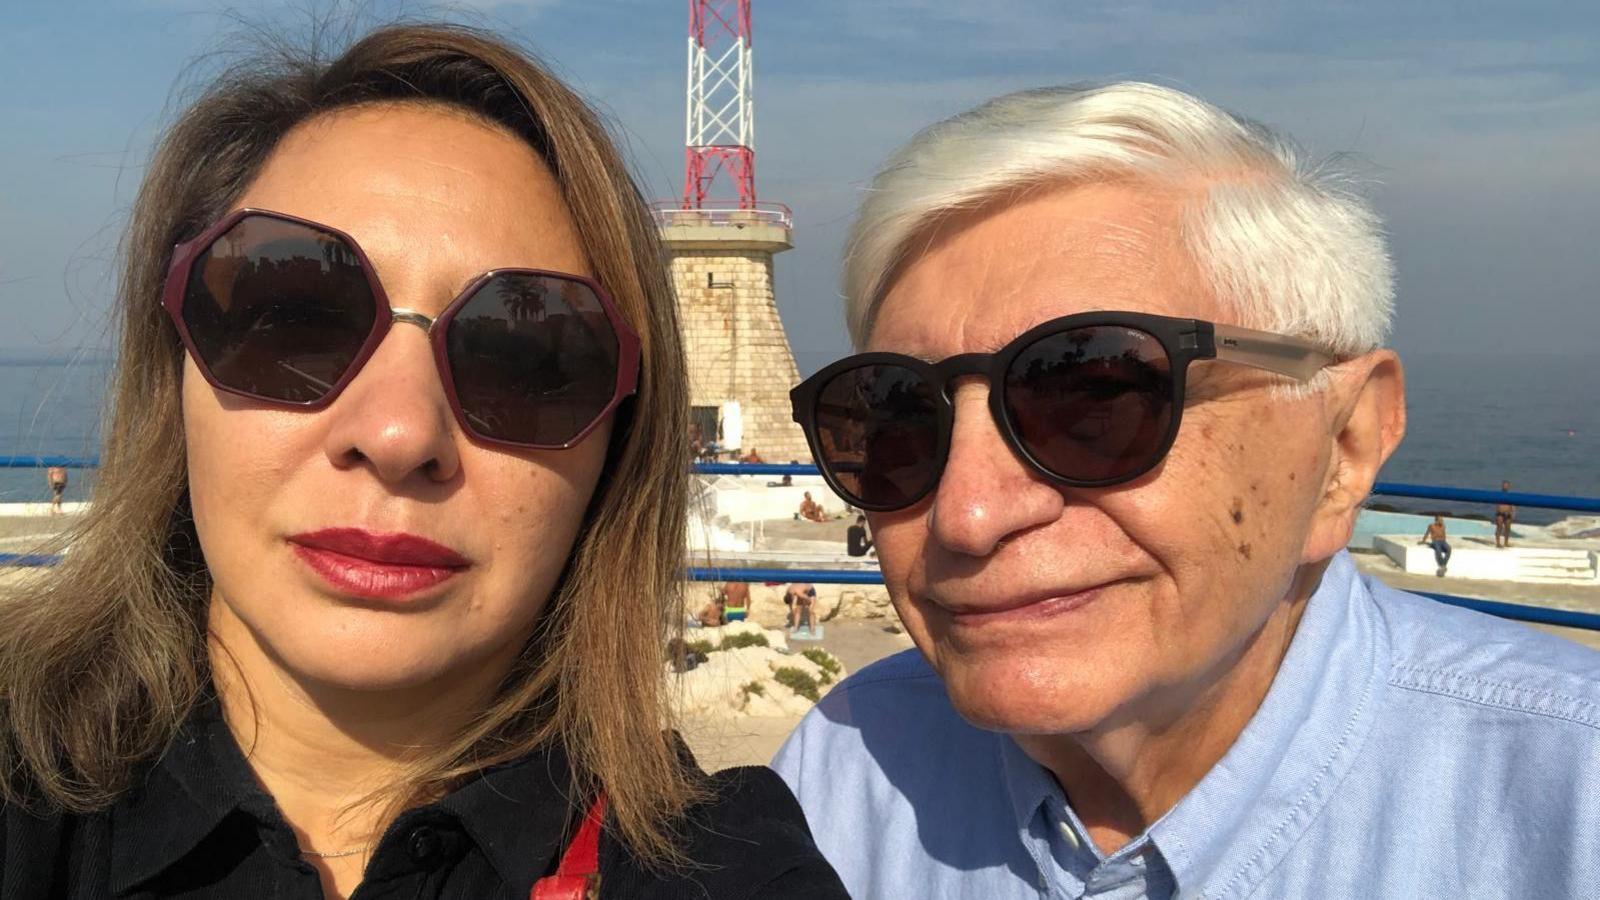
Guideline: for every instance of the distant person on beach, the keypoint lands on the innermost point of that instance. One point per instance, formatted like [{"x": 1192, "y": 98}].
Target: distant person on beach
[
  {"x": 711, "y": 614},
  {"x": 1436, "y": 538},
  {"x": 57, "y": 477},
  {"x": 376, "y": 594},
  {"x": 1504, "y": 515},
  {"x": 1120, "y": 393},
  {"x": 855, "y": 538},
  {"x": 799, "y": 599},
  {"x": 751, "y": 457},
  {"x": 811, "y": 510},
  {"x": 735, "y": 601}
]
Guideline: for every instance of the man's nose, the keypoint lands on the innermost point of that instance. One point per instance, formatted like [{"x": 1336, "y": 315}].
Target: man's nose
[
  {"x": 394, "y": 415},
  {"x": 987, "y": 492}
]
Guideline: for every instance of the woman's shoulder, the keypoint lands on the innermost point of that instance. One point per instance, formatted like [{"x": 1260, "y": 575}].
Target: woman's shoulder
[
  {"x": 35, "y": 839},
  {"x": 747, "y": 837}
]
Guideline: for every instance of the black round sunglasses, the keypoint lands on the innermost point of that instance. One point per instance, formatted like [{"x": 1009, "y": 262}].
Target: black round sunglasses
[{"x": 1087, "y": 400}]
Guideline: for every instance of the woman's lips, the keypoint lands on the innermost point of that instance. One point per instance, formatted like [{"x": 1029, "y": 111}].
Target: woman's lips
[
  {"x": 377, "y": 566},
  {"x": 1022, "y": 610}
]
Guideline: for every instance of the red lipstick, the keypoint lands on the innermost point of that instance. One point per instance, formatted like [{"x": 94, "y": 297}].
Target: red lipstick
[{"x": 377, "y": 566}]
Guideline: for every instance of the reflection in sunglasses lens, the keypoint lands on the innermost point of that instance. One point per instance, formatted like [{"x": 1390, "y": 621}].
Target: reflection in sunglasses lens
[
  {"x": 533, "y": 358},
  {"x": 878, "y": 434},
  {"x": 278, "y": 309},
  {"x": 1091, "y": 403}
]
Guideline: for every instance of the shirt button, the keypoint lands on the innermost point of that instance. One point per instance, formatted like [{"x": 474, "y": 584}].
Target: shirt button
[{"x": 424, "y": 845}]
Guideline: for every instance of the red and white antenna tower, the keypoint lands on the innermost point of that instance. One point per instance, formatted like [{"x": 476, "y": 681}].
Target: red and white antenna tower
[{"x": 719, "y": 128}]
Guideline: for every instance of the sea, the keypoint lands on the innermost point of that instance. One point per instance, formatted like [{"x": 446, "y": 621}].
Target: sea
[{"x": 1473, "y": 422}]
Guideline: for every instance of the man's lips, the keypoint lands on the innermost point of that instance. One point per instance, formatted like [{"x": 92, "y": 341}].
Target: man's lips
[
  {"x": 1022, "y": 607},
  {"x": 377, "y": 566}
]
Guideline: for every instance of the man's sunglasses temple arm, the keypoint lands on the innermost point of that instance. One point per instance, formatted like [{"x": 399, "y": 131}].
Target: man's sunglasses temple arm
[{"x": 1273, "y": 352}]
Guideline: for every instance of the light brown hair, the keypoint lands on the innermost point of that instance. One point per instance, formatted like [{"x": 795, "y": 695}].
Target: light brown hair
[{"x": 103, "y": 659}]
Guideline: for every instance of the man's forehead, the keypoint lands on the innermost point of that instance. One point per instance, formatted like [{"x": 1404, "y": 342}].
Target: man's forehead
[{"x": 982, "y": 277}]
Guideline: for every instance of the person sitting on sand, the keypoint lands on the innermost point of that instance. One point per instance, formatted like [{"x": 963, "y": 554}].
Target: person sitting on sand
[
  {"x": 751, "y": 457},
  {"x": 811, "y": 510},
  {"x": 710, "y": 615},
  {"x": 57, "y": 476},
  {"x": 1504, "y": 515},
  {"x": 1435, "y": 538},
  {"x": 856, "y": 541}
]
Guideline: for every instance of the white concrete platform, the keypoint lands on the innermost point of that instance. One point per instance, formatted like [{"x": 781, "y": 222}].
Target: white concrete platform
[{"x": 1478, "y": 558}]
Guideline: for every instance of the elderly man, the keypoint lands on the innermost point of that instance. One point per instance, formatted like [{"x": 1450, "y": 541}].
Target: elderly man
[{"x": 1123, "y": 398}]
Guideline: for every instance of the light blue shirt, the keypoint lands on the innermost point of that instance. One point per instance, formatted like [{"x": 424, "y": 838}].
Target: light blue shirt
[{"x": 1405, "y": 749}]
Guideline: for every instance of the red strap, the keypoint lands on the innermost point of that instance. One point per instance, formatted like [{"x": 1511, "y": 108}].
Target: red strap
[{"x": 579, "y": 870}]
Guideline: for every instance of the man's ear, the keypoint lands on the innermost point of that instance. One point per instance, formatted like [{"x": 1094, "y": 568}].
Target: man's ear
[{"x": 1366, "y": 405}]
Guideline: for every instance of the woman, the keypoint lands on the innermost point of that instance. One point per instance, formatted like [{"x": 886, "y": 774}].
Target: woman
[{"x": 346, "y": 611}]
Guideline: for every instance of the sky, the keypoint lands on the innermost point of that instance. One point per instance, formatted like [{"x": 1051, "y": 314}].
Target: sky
[{"x": 1475, "y": 126}]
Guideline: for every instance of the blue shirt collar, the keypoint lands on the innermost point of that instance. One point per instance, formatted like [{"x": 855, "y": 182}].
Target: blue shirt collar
[{"x": 1234, "y": 826}]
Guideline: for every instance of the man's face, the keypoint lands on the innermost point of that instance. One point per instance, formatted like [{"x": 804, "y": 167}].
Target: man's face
[{"x": 1053, "y": 610}]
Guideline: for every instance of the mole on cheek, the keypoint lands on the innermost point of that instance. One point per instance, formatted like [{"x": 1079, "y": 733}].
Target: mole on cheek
[
  {"x": 1238, "y": 511},
  {"x": 1244, "y": 550}
]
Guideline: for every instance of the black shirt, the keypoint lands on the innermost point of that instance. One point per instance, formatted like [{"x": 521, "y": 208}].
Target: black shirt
[
  {"x": 198, "y": 826},
  {"x": 856, "y": 539}
]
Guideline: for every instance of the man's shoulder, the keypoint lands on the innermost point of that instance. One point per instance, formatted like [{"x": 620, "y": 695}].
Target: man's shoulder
[
  {"x": 1463, "y": 656},
  {"x": 899, "y": 685},
  {"x": 870, "y": 720}
]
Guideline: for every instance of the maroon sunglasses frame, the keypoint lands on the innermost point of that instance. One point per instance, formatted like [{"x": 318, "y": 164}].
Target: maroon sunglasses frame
[{"x": 185, "y": 254}]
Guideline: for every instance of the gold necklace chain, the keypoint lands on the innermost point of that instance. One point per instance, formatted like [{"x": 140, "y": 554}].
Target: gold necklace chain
[{"x": 335, "y": 854}]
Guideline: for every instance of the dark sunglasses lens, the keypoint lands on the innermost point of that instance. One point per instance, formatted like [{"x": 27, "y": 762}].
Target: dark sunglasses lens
[
  {"x": 877, "y": 430},
  {"x": 533, "y": 359},
  {"x": 277, "y": 309},
  {"x": 1092, "y": 404}
]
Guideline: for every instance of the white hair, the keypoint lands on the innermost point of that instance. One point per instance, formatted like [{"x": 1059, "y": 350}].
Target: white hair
[{"x": 1288, "y": 244}]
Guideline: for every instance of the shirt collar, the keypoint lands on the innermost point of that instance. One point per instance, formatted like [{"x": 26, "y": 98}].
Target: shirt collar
[
  {"x": 1256, "y": 800},
  {"x": 198, "y": 782},
  {"x": 518, "y": 814},
  {"x": 1236, "y": 824}
]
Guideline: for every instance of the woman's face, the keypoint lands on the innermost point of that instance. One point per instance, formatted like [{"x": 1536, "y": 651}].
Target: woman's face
[{"x": 308, "y": 519}]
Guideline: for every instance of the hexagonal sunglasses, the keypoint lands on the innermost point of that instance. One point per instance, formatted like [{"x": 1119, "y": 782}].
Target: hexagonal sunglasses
[{"x": 285, "y": 311}]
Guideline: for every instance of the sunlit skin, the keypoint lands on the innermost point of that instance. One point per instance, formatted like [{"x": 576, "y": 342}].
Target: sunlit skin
[
  {"x": 340, "y": 688},
  {"x": 1145, "y": 621}
]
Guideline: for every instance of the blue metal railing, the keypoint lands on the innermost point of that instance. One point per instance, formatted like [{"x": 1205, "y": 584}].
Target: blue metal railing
[
  {"x": 1520, "y": 612},
  {"x": 1467, "y": 495},
  {"x": 45, "y": 462}
]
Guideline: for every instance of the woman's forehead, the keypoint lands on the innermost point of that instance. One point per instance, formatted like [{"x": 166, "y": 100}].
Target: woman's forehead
[{"x": 390, "y": 174}]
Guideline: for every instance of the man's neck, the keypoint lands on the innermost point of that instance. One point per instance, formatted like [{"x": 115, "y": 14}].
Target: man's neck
[{"x": 1123, "y": 776}]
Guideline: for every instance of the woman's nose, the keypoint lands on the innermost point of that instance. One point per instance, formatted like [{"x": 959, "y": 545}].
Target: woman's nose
[
  {"x": 394, "y": 415},
  {"x": 987, "y": 492}
]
